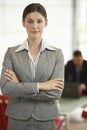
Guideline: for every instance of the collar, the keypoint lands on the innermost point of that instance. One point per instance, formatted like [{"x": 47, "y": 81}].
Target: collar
[{"x": 44, "y": 46}]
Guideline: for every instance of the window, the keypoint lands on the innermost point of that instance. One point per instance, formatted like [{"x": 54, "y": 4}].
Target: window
[{"x": 83, "y": 27}]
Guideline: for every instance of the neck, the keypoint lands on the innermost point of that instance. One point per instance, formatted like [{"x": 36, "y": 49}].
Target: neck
[{"x": 34, "y": 43}]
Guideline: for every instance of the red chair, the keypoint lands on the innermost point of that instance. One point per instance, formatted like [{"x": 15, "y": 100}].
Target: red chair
[
  {"x": 84, "y": 114},
  {"x": 3, "y": 117},
  {"x": 59, "y": 122}
]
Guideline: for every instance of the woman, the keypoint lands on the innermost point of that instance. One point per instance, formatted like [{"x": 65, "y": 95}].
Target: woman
[{"x": 32, "y": 76}]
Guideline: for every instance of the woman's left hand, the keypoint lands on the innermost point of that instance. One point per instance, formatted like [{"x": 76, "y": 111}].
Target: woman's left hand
[{"x": 11, "y": 76}]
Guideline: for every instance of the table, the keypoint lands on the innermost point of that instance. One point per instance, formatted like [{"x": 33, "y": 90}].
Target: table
[
  {"x": 3, "y": 117},
  {"x": 68, "y": 105}
]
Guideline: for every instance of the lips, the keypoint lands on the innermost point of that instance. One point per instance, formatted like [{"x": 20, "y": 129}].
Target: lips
[{"x": 35, "y": 32}]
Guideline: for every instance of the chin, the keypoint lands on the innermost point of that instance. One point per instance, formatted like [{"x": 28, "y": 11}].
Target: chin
[{"x": 36, "y": 36}]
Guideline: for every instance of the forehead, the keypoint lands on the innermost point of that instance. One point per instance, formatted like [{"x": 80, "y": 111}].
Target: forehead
[{"x": 34, "y": 15}]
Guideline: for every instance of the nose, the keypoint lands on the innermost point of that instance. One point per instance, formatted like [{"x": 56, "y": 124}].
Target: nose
[{"x": 35, "y": 25}]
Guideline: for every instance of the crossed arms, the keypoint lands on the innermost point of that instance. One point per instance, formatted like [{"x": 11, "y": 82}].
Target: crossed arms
[{"x": 11, "y": 86}]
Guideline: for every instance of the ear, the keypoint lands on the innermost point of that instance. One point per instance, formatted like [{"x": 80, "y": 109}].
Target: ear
[{"x": 46, "y": 22}]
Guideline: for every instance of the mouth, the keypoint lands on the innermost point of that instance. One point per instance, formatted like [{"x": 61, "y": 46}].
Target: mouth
[{"x": 35, "y": 32}]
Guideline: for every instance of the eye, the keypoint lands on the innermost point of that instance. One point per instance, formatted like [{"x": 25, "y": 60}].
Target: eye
[
  {"x": 39, "y": 21},
  {"x": 30, "y": 21}
]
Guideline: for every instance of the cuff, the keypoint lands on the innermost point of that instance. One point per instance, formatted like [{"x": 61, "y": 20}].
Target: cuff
[{"x": 38, "y": 87}]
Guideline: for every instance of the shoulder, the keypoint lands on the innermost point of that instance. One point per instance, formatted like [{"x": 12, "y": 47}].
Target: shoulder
[
  {"x": 57, "y": 52},
  {"x": 13, "y": 49},
  {"x": 85, "y": 62},
  {"x": 19, "y": 47},
  {"x": 50, "y": 48},
  {"x": 70, "y": 62},
  {"x": 53, "y": 52}
]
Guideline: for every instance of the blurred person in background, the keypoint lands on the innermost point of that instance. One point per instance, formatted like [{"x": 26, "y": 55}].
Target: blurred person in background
[{"x": 76, "y": 71}]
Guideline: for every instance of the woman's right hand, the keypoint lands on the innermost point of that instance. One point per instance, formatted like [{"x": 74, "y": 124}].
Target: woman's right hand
[
  {"x": 54, "y": 84},
  {"x": 11, "y": 76}
]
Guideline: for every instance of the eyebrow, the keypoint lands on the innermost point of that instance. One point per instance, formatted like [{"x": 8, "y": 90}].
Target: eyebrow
[{"x": 32, "y": 19}]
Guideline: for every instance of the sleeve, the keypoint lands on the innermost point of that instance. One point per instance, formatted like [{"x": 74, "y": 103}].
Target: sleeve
[{"x": 15, "y": 89}]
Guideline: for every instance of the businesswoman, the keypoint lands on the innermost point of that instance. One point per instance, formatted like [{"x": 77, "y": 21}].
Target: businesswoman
[{"x": 32, "y": 76}]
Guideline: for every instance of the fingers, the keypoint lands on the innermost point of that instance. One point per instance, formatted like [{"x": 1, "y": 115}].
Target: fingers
[
  {"x": 8, "y": 73},
  {"x": 59, "y": 84},
  {"x": 8, "y": 78},
  {"x": 11, "y": 76},
  {"x": 59, "y": 79}
]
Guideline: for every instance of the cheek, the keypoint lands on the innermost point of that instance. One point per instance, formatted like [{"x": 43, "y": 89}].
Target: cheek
[
  {"x": 28, "y": 28},
  {"x": 42, "y": 27}
]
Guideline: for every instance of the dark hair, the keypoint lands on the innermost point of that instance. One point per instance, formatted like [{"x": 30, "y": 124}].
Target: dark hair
[
  {"x": 32, "y": 8},
  {"x": 77, "y": 53}
]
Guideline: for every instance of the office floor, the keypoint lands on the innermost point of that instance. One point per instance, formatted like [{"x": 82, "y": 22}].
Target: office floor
[{"x": 78, "y": 126}]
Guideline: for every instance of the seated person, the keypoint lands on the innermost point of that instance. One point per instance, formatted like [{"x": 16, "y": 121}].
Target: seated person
[{"x": 76, "y": 71}]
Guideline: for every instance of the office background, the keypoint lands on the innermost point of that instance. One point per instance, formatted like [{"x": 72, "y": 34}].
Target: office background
[{"x": 67, "y": 25}]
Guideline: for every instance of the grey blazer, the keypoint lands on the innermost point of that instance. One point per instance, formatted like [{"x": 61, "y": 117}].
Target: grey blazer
[{"x": 25, "y": 101}]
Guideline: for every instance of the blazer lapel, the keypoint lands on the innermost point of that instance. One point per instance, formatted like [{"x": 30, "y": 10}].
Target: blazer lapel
[
  {"x": 40, "y": 70},
  {"x": 24, "y": 61}
]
